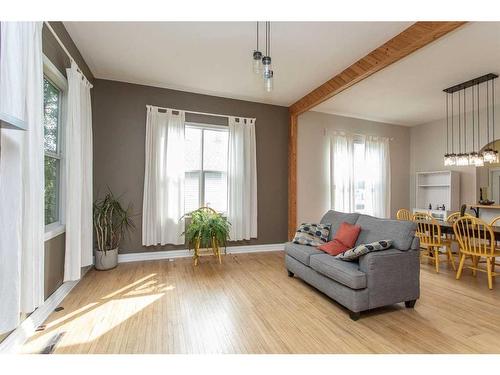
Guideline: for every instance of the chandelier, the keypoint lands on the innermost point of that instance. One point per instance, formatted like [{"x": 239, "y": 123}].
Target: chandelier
[
  {"x": 262, "y": 64},
  {"x": 456, "y": 96}
]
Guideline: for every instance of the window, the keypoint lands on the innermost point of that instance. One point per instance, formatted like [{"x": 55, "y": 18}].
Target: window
[
  {"x": 54, "y": 85},
  {"x": 206, "y": 167},
  {"x": 359, "y": 177}
]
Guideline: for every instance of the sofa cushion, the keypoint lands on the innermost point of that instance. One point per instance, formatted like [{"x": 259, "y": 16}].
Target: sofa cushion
[
  {"x": 345, "y": 273},
  {"x": 302, "y": 253},
  {"x": 358, "y": 251},
  {"x": 336, "y": 218},
  {"x": 374, "y": 229},
  {"x": 312, "y": 234},
  {"x": 344, "y": 239}
]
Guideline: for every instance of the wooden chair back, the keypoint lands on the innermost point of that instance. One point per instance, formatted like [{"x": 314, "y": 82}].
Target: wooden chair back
[
  {"x": 453, "y": 217},
  {"x": 403, "y": 214},
  {"x": 428, "y": 230},
  {"x": 475, "y": 237},
  {"x": 493, "y": 223}
]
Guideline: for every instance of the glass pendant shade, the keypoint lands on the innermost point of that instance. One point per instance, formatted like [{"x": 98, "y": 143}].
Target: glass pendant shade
[
  {"x": 490, "y": 156},
  {"x": 268, "y": 80},
  {"x": 462, "y": 160},
  {"x": 476, "y": 159},
  {"x": 257, "y": 62},
  {"x": 449, "y": 159}
]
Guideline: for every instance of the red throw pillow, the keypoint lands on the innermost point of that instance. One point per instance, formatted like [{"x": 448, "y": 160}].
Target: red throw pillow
[{"x": 344, "y": 239}]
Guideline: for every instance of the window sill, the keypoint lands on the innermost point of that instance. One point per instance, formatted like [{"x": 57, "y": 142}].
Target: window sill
[{"x": 54, "y": 230}]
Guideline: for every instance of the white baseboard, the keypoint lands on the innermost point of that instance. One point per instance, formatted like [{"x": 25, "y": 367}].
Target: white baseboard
[
  {"x": 184, "y": 253},
  {"x": 27, "y": 328}
]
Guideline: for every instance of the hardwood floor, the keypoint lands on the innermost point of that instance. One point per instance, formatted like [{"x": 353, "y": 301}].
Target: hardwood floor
[{"x": 249, "y": 305}]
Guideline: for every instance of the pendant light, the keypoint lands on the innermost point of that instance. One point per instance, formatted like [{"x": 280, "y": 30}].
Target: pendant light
[
  {"x": 449, "y": 158},
  {"x": 490, "y": 155},
  {"x": 266, "y": 61},
  {"x": 475, "y": 158},
  {"x": 462, "y": 157},
  {"x": 257, "y": 55}
]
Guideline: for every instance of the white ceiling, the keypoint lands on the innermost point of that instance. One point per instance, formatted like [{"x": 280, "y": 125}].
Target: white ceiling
[
  {"x": 409, "y": 92},
  {"x": 215, "y": 57}
]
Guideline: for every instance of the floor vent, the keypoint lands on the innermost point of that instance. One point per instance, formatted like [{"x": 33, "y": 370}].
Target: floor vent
[{"x": 60, "y": 308}]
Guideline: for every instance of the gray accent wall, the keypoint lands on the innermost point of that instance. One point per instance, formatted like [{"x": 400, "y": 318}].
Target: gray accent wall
[
  {"x": 119, "y": 127},
  {"x": 313, "y": 181},
  {"x": 54, "y": 264}
]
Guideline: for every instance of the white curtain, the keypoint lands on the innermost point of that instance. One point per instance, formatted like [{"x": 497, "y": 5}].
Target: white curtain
[
  {"x": 342, "y": 172},
  {"x": 78, "y": 171},
  {"x": 163, "y": 201},
  {"x": 242, "y": 179},
  {"x": 378, "y": 176},
  {"x": 21, "y": 173}
]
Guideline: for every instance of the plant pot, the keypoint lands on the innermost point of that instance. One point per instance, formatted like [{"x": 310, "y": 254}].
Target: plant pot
[{"x": 106, "y": 260}]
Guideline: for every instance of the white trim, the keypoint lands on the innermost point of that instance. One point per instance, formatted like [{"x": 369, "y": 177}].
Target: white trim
[
  {"x": 198, "y": 113},
  {"x": 26, "y": 329},
  {"x": 184, "y": 253},
  {"x": 54, "y": 230},
  {"x": 51, "y": 71}
]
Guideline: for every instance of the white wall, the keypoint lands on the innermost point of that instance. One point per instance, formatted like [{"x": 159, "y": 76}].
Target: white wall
[
  {"x": 428, "y": 146},
  {"x": 313, "y": 181}
]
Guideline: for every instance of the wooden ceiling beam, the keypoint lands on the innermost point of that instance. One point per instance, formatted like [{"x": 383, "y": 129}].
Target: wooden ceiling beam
[{"x": 408, "y": 41}]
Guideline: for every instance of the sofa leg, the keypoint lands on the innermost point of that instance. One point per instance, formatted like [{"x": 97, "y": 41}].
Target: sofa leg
[
  {"x": 410, "y": 304},
  {"x": 290, "y": 273},
  {"x": 354, "y": 315}
]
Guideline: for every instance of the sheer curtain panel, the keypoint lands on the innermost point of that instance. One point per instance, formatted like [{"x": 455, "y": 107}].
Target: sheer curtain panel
[
  {"x": 21, "y": 173},
  {"x": 342, "y": 172},
  {"x": 163, "y": 201},
  {"x": 78, "y": 172},
  {"x": 378, "y": 178},
  {"x": 242, "y": 179}
]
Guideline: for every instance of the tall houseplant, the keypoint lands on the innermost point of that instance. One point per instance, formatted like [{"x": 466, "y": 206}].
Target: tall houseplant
[
  {"x": 111, "y": 223},
  {"x": 207, "y": 228}
]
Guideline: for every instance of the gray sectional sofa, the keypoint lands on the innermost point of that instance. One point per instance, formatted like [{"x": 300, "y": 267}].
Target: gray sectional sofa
[{"x": 378, "y": 279}]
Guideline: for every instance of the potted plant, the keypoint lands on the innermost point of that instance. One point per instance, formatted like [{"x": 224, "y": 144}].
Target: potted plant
[
  {"x": 207, "y": 228},
  {"x": 111, "y": 222}
]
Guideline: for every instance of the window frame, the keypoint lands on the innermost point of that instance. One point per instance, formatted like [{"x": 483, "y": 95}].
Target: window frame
[
  {"x": 201, "y": 172},
  {"x": 55, "y": 77}
]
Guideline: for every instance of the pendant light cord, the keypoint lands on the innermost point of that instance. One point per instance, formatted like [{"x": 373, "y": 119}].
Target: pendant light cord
[
  {"x": 473, "y": 122},
  {"x": 459, "y": 122},
  {"x": 257, "y": 36},
  {"x": 447, "y": 127},
  {"x": 465, "y": 122},
  {"x": 478, "y": 122},
  {"x": 493, "y": 108},
  {"x": 488, "y": 111},
  {"x": 452, "y": 123}
]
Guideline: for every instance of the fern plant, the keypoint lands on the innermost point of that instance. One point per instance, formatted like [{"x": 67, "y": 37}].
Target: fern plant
[
  {"x": 207, "y": 224},
  {"x": 111, "y": 222}
]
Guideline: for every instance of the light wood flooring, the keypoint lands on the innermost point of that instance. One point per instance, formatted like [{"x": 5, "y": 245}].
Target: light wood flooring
[{"x": 249, "y": 305}]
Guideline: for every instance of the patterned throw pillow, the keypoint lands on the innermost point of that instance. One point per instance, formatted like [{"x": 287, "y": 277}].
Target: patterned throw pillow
[
  {"x": 312, "y": 234},
  {"x": 360, "y": 250}
]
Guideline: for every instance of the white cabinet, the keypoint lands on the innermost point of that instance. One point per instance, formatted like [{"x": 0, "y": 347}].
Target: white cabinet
[{"x": 438, "y": 188}]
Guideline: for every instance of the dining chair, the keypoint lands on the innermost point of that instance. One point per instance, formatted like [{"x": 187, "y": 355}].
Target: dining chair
[
  {"x": 476, "y": 239},
  {"x": 403, "y": 214},
  {"x": 431, "y": 241}
]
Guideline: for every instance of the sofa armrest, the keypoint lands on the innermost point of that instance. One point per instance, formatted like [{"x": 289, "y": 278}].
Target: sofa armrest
[{"x": 392, "y": 276}]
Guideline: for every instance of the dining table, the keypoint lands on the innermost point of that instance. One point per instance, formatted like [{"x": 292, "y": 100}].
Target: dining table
[{"x": 448, "y": 228}]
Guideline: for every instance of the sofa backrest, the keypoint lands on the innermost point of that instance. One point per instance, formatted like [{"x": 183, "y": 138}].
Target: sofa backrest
[
  {"x": 373, "y": 229},
  {"x": 335, "y": 218}
]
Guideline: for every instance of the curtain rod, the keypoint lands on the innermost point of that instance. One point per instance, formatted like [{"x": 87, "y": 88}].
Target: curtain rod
[
  {"x": 65, "y": 49},
  {"x": 326, "y": 131},
  {"x": 198, "y": 113}
]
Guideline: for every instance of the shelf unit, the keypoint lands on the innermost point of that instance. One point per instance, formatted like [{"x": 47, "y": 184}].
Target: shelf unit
[{"x": 438, "y": 188}]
